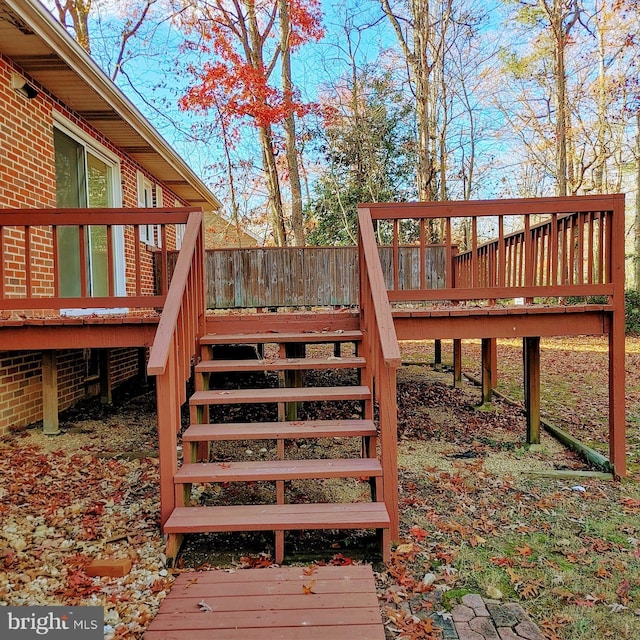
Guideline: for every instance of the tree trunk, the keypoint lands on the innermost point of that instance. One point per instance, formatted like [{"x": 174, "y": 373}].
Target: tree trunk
[
  {"x": 297, "y": 222},
  {"x": 273, "y": 184},
  {"x": 78, "y": 11},
  {"x": 561, "y": 116},
  {"x": 424, "y": 109},
  {"x": 636, "y": 270},
  {"x": 598, "y": 173}
]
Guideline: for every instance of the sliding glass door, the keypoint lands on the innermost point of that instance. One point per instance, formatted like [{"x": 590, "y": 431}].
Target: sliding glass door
[{"x": 84, "y": 179}]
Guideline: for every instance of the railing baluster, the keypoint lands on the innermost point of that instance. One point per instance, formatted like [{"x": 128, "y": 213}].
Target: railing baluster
[
  {"x": 591, "y": 256},
  {"x": 423, "y": 255},
  {"x": 110, "y": 260},
  {"x": 563, "y": 249},
  {"x": 56, "y": 271},
  {"x": 474, "y": 252},
  {"x": 501, "y": 257},
  {"x": 164, "y": 268},
  {"x": 27, "y": 262},
  {"x": 521, "y": 257},
  {"x": 528, "y": 247},
  {"x": 606, "y": 237},
  {"x": 601, "y": 279},
  {"x": 2, "y": 258},
  {"x": 450, "y": 266},
  {"x": 572, "y": 250},
  {"x": 83, "y": 261},
  {"x": 580, "y": 265},
  {"x": 137, "y": 274},
  {"x": 396, "y": 256}
]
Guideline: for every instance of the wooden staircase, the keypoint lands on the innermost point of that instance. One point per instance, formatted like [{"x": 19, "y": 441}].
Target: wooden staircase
[{"x": 205, "y": 438}]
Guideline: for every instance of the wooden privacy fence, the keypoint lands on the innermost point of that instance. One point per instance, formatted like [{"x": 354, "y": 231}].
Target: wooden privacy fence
[{"x": 307, "y": 276}]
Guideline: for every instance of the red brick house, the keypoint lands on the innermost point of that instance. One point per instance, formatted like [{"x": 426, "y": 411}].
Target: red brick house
[{"x": 70, "y": 138}]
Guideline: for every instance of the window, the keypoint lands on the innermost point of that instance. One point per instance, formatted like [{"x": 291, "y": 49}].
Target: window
[
  {"x": 180, "y": 228},
  {"x": 159, "y": 204},
  {"x": 149, "y": 233},
  {"x": 87, "y": 175},
  {"x": 145, "y": 200}
]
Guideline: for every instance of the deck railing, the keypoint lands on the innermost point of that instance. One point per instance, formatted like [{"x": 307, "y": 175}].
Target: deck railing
[
  {"x": 381, "y": 350},
  {"x": 56, "y": 259},
  {"x": 569, "y": 246},
  {"x": 174, "y": 350}
]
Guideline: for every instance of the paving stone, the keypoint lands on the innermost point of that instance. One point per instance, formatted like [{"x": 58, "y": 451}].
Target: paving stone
[
  {"x": 485, "y": 628},
  {"x": 516, "y": 610},
  {"x": 446, "y": 624},
  {"x": 476, "y": 602},
  {"x": 473, "y": 600},
  {"x": 527, "y": 629},
  {"x": 466, "y": 633},
  {"x": 506, "y": 633},
  {"x": 460, "y": 613},
  {"x": 502, "y": 616}
]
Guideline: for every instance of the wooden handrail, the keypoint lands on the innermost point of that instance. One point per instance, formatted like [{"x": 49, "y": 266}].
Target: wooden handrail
[
  {"x": 378, "y": 291},
  {"x": 175, "y": 349},
  {"x": 484, "y": 208},
  {"x": 176, "y": 297},
  {"x": 382, "y": 353}
]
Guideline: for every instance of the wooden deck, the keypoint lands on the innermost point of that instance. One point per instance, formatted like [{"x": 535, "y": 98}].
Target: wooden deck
[
  {"x": 288, "y": 603},
  {"x": 78, "y": 332}
]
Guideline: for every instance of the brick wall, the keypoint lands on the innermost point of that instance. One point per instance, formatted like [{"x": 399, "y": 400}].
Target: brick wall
[
  {"x": 27, "y": 180},
  {"x": 124, "y": 365}
]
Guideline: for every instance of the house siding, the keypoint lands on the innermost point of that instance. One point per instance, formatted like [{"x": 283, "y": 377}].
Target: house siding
[{"x": 27, "y": 180}]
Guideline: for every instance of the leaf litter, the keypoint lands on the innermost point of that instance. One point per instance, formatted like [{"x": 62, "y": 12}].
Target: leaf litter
[{"x": 473, "y": 520}]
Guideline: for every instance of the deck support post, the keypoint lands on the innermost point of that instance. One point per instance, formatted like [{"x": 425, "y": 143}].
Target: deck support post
[
  {"x": 617, "y": 419},
  {"x": 457, "y": 362},
  {"x": 106, "y": 387},
  {"x": 293, "y": 378},
  {"x": 531, "y": 359},
  {"x": 489, "y": 368},
  {"x": 50, "y": 421},
  {"x": 143, "y": 377},
  {"x": 437, "y": 352}
]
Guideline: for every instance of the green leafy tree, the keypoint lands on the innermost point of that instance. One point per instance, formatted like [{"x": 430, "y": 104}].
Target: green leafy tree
[{"x": 367, "y": 150}]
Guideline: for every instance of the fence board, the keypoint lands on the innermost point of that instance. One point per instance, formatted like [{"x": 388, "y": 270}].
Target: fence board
[{"x": 307, "y": 276}]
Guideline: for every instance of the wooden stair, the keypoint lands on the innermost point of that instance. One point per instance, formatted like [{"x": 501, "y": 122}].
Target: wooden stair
[{"x": 204, "y": 438}]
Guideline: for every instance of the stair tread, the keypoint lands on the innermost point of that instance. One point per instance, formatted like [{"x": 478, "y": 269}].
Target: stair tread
[
  {"x": 267, "y": 470},
  {"x": 278, "y": 517},
  {"x": 279, "y": 364},
  {"x": 281, "y": 336},
  {"x": 277, "y": 430},
  {"x": 279, "y": 394}
]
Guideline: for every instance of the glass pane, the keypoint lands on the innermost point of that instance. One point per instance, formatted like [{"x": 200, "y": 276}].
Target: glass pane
[
  {"x": 99, "y": 182},
  {"x": 70, "y": 192},
  {"x": 70, "y": 173},
  {"x": 69, "y": 262},
  {"x": 99, "y": 174},
  {"x": 98, "y": 263}
]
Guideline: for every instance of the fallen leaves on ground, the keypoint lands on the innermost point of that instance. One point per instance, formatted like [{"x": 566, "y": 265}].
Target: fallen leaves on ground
[{"x": 58, "y": 513}]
